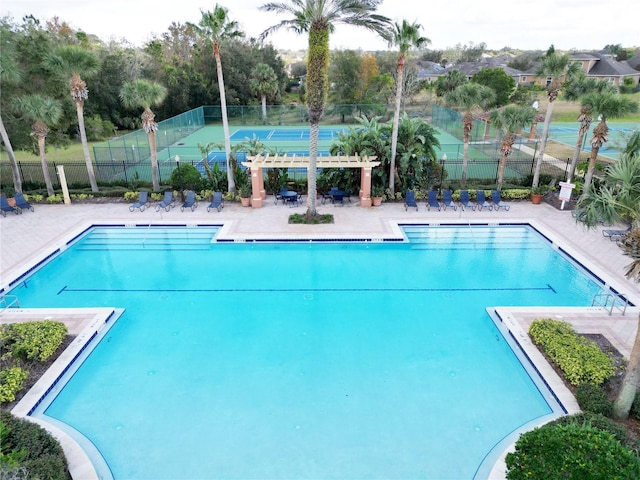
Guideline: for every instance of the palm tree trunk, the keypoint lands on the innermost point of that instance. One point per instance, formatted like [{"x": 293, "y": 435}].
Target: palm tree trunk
[
  {"x": 17, "y": 181},
  {"x": 543, "y": 144},
  {"x": 155, "y": 171},
  {"x": 45, "y": 167},
  {"x": 225, "y": 122},
  {"x": 465, "y": 154},
  {"x": 264, "y": 109},
  {"x": 622, "y": 405},
  {"x": 592, "y": 166},
  {"x": 501, "y": 168},
  {"x": 312, "y": 173},
  {"x": 396, "y": 121},
  {"x": 85, "y": 146},
  {"x": 576, "y": 152}
]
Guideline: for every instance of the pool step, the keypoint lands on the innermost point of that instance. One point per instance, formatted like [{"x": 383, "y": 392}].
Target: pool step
[{"x": 148, "y": 239}]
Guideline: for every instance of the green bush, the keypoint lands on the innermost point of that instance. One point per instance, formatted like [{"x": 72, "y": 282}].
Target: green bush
[
  {"x": 635, "y": 407},
  {"x": 187, "y": 177},
  {"x": 33, "y": 340},
  {"x": 592, "y": 398},
  {"x": 579, "y": 452},
  {"x": 600, "y": 422},
  {"x": 11, "y": 382},
  {"x": 579, "y": 359}
]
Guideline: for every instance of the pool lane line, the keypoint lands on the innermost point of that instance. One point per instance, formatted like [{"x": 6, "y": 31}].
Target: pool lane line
[{"x": 244, "y": 290}]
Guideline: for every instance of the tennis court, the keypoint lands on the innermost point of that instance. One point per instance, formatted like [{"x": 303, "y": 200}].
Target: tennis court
[
  {"x": 619, "y": 133},
  {"x": 286, "y": 134}
]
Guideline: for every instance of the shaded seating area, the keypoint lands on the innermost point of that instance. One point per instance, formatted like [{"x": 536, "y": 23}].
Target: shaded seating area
[
  {"x": 167, "y": 201},
  {"x": 481, "y": 201},
  {"x": 142, "y": 203},
  {"x": 21, "y": 203},
  {"x": 280, "y": 196},
  {"x": 5, "y": 207},
  {"x": 190, "y": 201},
  {"x": 432, "y": 200},
  {"x": 615, "y": 234},
  {"x": 336, "y": 192},
  {"x": 410, "y": 200},
  {"x": 465, "y": 200},
  {"x": 217, "y": 202},
  {"x": 447, "y": 200}
]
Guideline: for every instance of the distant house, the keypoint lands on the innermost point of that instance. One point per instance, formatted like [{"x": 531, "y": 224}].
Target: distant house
[
  {"x": 605, "y": 67},
  {"x": 469, "y": 69}
]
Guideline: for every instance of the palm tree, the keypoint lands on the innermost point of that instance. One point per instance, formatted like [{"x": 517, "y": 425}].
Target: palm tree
[
  {"x": 217, "y": 27},
  {"x": 510, "y": 119},
  {"x": 42, "y": 111},
  {"x": 554, "y": 66},
  {"x": 606, "y": 105},
  {"x": 264, "y": 81},
  {"x": 9, "y": 73},
  {"x": 469, "y": 97},
  {"x": 72, "y": 61},
  {"x": 145, "y": 94},
  {"x": 449, "y": 82},
  {"x": 404, "y": 36},
  {"x": 318, "y": 18}
]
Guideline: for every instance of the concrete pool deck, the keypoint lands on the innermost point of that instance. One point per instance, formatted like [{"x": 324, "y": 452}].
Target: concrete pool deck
[{"x": 28, "y": 238}]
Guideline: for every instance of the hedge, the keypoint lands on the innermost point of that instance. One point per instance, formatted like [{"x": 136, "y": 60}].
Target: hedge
[{"x": 36, "y": 340}]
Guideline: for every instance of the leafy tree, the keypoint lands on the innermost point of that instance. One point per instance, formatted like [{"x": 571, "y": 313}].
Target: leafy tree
[
  {"x": 263, "y": 83},
  {"x": 404, "y": 36},
  {"x": 318, "y": 18},
  {"x": 9, "y": 73},
  {"x": 449, "y": 82},
  {"x": 145, "y": 94},
  {"x": 472, "y": 53},
  {"x": 344, "y": 70},
  {"x": 499, "y": 81}
]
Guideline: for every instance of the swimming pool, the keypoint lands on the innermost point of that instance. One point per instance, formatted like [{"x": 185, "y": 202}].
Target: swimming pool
[{"x": 335, "y": 360}]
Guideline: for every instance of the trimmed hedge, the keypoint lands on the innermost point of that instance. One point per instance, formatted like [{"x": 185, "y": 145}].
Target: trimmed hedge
[
  {"x": 33, "y": 340},
  {"x": 580, "y": 359},
  {"x": 11, "y": 382},
  {"x": 600, "y": 422},
  {"x": 592, "y": 398}
]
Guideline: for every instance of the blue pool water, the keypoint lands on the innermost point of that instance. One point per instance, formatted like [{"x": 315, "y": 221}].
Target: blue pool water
[{"x": 302, "y": 360}]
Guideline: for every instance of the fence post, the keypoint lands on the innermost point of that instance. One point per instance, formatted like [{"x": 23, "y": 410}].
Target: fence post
[{"x": 124, "y": 169}]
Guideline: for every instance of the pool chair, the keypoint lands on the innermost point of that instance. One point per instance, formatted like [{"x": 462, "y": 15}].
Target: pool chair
[
  {"x": 465, "y": 201},
  {"x": 5, "y": 207},
  {"x": 615, "y": 234},
  {"x": 217, "y": 202},
  {"x": 167, "y": 202},
  {"x": 21, "y": 203},
  {"x": 481, "y": 201},
  {"x": 190, "y": 201},
  {"x": 142, "y": 203},
  {"x": 410, "y": 200},
  {"x": 432, "y": 200},
  {"x": 497, "y": 201},
  {"x": 447, "y": 200}
]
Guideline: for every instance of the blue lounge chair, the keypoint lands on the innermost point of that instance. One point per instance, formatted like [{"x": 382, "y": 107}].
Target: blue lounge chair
[
  {"x": 497, "y": 201},
  {"x": 142, "y": 203},
  {"x": 167, "y": 202},
  {"x": 447, "y": 200},
  {"x": 614, "y": 234},
  {"x": 465, "y": 201},
  {"x": 5, "y": 207},
  {"x": 481, "y": 201},
  {"x": 410, "y": 200},
  {"x": 21, "y": 203},
  {"x": 217, "y": 202},
  {"x": 190, "y": 201},
  {"x": 432, "y": 200}
]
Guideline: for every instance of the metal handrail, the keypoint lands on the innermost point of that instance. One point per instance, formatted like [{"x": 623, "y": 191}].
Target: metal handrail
[
  {"x": 613, "y": 297},
  {"x": 8, "y": 301}
]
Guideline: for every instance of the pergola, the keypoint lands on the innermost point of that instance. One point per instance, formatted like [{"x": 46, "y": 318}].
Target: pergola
[{"x": 257, "y": 163}]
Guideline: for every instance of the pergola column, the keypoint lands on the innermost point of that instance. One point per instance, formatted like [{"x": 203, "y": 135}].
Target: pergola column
[
  {"x": 257, "y": 187},
  {"x": 365, "y": 187}
]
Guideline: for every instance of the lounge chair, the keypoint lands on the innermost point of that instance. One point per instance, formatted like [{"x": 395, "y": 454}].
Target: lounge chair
[
  {"x": 447, "y": 200},
  {"x": 217, "y": 202},
  {"x": 465, "y": 201},
  {"x": 432, "y": 200},
  {"x": 21, "y": 203},
  {"x": 481, "y": 201},
  {"x": 614, "y": 234},
  {"x": 410, "y": 200},
  {"x": 497, "y": 201},
  {"x": 142, "y": 203},
  {"x": 190, "y": 201},
  {"x": 167, "y": 202},
  {"x": 5, "y": 207}
]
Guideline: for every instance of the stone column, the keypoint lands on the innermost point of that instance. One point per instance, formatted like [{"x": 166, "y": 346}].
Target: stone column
[
  {"x": 257, "y": 187},
  {"x": 365, "y": 187}
]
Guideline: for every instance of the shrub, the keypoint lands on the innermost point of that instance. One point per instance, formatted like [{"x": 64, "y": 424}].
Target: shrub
[
  {"x": 592, "y": 398},
  {"x": 571, "y": 452},
  {"x": 600, "y": 422},
  {"x": 187, "y": 177},
  {"x": 34, "y": 340},
  {"x": 579, "y": 359},
  {"x": 11, "y": 382}
]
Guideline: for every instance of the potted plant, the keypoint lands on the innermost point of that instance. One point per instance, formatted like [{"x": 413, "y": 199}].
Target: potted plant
[
  {"x": 538, "y": 193},
  {"x": 245, "y": 195},
  {"x": 377, "y": 192}
]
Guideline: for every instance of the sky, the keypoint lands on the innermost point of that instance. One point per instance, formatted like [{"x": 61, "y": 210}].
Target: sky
[{"x": 519, "y": 24}]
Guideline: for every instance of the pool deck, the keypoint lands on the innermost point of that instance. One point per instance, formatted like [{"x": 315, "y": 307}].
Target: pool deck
[{"x": 28, "y": 238}]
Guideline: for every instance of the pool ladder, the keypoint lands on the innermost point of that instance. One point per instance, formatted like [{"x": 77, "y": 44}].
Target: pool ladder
[
  {"x": 8, "y": 301},
  {"x": 610, "y": 300}
]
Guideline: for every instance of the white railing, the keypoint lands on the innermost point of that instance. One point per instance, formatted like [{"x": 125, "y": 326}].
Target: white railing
[
  {"x": 9, "y": 301},
  {"x": 610, "y": 300}
]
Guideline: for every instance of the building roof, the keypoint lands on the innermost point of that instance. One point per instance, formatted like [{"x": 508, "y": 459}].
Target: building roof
[{"x": 302, "y": 161}]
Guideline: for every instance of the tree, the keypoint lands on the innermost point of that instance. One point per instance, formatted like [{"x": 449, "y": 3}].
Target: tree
[
  {"x": 42, "y": 111},
  {"x": 217, "y": 27},
  {"x": 469, "y": 97},
  {"x": 510, "y": 119},
  {"x": 404, "y": 36},
  {"x": 146, "y": 94},
  {"x": 9, "y": 73},
  {"x": 554, "y": 67},
  {"x": 449, "y": 82},
  {"x": 499, "y": 81},
  {"x": 263, "y": 82},
  {"x": 72, "y": 61},
  {"x": 318, "y": 18}
]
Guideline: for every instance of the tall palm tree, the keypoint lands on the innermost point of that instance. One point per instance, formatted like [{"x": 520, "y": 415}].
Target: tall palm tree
[
  {"x": 510, "y": 119},
  {"x": 9, "y": 73},
  {"x": 469, "y": 97},
  {"x": 146, "y": 94},
  {"x": 217, "y": 26},
  {"x": 606, "y": 105},
  {"x": 404, "y": 36},
  {"x": 42, "y": 111},
  {"x": 318, "y": 18},
  {"x": 554, "y": 67},
  {"x": 263, "y": 82},
  {"x": 72, "y": 61}
]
